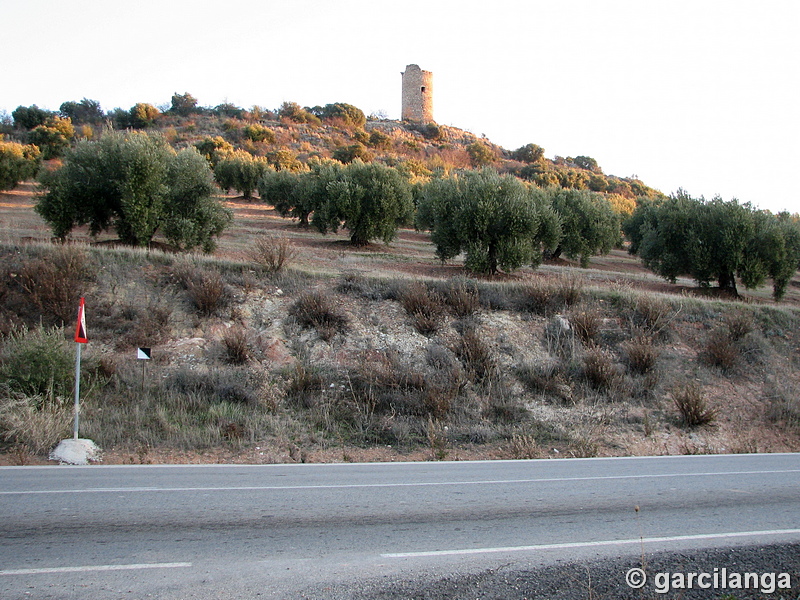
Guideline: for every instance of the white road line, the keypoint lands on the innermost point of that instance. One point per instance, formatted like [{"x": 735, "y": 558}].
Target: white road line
[
  {"x": 395, "y": 485},
  {"x": 91, "y": 568},
  {"x": 652, "y": 540}
]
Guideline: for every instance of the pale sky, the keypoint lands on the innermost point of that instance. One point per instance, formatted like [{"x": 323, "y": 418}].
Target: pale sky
[{"x": 698, "y": 94}]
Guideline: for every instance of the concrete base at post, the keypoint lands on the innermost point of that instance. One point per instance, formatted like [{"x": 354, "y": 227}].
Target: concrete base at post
[{"x": 76, "y": 452}]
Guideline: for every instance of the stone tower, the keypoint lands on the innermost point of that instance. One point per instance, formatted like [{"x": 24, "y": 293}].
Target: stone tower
[{"x": 417, "y": 95}]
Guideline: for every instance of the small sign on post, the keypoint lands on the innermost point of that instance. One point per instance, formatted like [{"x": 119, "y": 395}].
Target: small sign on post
[
  {"x": 143, "y": 354},
  {"x": 80, "y": 338}
]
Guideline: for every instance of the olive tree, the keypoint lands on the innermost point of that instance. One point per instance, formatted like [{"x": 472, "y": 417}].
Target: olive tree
[
  {"x": 716, "y": 240},
  {"x": 589, "y": 224},
  {"x": 298, "y": 194},
  {"x": 370, "y": 200},
  {"x": 498, "y": 221},
  {"x": 240, "y": 170},
  {"x": 135, "y": 184}
]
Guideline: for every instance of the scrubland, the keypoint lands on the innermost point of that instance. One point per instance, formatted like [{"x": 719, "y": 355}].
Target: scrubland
[{"x": 289, "y": 346}]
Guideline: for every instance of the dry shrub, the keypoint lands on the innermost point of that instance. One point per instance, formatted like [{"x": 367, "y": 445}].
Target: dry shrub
[
  {"x": 652, "y": 314},
  {"x": 599, "y": 369},
  {"x": 783, "y": 394},
  {"x": 462, "y": 297},
  {"x": 306, "y": 384},
  {"x": 524, "y": 446},
  {"x": 641, "y": 355},
  {"x": 691, "y": 403},
  {"x": 586, "y": 324},
  {"x": 546, "y": 378},
  {"x": 424, "y": 306},
  {"x": 236, "y": 345},
  {"x": 314, "y": 310},
  {"x": 538, "y": 298},
  {"x": 146, "y": 327},
  {"x": 273, "y": 253},
  {"x": 207, "y": 291},
  {"x": 55, "y": 283},
  {"x": 476, "y": 355},
  {"x": 721, "y": 351},
  {"x": 739, "y": 325}
]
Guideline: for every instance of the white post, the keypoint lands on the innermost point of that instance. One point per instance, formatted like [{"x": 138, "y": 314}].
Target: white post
[{"x": 77, "y": 389}]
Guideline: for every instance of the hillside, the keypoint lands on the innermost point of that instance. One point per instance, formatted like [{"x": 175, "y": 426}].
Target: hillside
[{"x": 381, "y": 353}]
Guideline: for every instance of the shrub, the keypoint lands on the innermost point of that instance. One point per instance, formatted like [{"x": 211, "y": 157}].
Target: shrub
[
  {"x": 546, "y": 297},
  {"x": 546, "y": 377},
  {"x": 236, "y": 345},
  {"x": 524, "y": 446},
  {"x": 599, "y": 369},
  {"x": 481, "y": 154},
  {"x": 38, "y": 363},
  {"x": 17, "y": 163},
  {"x": 739, "y": 325},
  {"x": 462, "y": 297},
  {"x": 691, "y": 403},
  {"x": 424, "y": 306},
  {"x": 259, "y": 133},
  {"x": 144, "y": 326},
  {"x": 272, "y": 253},
  {"x": 207, "y": 291},
  {"x": 53, "y": 137},
  {"x": 476, "y": 355},
  {"x": 652, "y": 316},
  {"x": 721, "y": 350},
  {"x": 314, "y": 310},
  {"x": 55, "y": 282},
  {"x": 641, "y": 355},
  {"x": 347, "y": 154},
  {"x": 529, "y": 153},
  {"x": 586, "y": 324}
]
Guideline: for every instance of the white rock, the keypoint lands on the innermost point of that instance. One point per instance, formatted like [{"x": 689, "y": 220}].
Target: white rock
[{"x": 76, "y": 452}]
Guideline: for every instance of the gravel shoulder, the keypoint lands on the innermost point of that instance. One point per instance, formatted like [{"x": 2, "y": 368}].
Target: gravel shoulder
[{"x": 600, "y": 579}]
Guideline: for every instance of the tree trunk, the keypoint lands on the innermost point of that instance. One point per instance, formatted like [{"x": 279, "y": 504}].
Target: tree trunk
[
  {"x": 727, "y": 281},
  {"x": 492, "y": 259}
]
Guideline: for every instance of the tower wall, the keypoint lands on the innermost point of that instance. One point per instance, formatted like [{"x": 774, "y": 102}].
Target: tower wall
[{"x": 417, "y": 95}]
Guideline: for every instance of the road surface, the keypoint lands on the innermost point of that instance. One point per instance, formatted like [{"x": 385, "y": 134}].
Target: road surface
[{"x": 293, "y": 531}]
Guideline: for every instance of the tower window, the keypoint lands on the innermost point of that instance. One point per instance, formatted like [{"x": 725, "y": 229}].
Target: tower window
[{"x": 422, "y": 89}]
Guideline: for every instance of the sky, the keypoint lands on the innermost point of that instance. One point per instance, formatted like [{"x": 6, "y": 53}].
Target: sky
[{"x": 695, "y": 94}]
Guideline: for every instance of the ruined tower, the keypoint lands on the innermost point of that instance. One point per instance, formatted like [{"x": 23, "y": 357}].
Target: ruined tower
[{"x": 417, "y": 95}]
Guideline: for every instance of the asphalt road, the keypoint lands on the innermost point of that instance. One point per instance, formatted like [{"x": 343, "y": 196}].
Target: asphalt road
[{"x": 294, "y": 531}]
